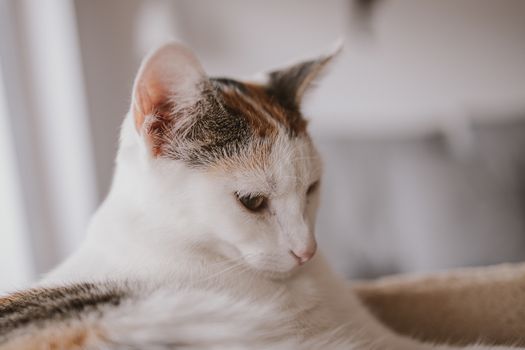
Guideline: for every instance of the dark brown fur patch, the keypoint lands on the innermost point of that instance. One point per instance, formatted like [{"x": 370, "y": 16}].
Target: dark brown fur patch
[
  {"x": 259, "y": 124},
  {"x": 38, "y": 307},
  {"x": 289, "y": 85}
]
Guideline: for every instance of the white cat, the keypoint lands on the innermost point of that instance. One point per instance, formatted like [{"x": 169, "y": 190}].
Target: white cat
[{"x": 206, "y": 239}]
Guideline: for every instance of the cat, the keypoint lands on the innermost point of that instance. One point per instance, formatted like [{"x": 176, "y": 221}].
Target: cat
[{"x": 206, "y": 239}]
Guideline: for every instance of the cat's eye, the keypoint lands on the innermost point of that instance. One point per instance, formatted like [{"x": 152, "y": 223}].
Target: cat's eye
[
  {"x": 312, "y": 188},
  {"x": 254, "y": 203}
]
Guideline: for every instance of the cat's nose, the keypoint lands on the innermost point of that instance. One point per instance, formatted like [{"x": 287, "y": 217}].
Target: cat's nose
[{"x": 304, "y": 255}]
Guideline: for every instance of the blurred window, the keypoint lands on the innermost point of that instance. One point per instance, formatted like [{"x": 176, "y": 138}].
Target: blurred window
[{"x": 15, "y": 261}]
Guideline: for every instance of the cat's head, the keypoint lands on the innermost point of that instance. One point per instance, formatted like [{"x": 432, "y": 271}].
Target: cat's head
[{"x": 231, "y": 160}]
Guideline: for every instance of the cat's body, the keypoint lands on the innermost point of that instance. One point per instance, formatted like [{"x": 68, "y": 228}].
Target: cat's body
[
  {"x": 310, "y": 301},
  {"x": 206, "y": 238}
]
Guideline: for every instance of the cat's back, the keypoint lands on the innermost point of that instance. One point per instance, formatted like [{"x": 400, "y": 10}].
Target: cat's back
[
  {"x": 113, "y": 315},
  {"x": 218, "y": 310},
  {"x": 57, "y": 318}
]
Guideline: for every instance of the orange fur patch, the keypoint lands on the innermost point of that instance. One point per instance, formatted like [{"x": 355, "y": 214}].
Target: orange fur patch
[
  {"x": 291, "y": 120},
  {"x": 70, "y": 337}
]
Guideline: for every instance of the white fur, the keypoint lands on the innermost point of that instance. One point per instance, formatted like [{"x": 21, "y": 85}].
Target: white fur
[
  {"x": 225, "y": 277},
  {"x": 196, "y": 320}
]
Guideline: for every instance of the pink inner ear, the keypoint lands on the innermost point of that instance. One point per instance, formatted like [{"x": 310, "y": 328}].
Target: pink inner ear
[
  {"x": 147, "y": 98},
  {"x": 171, "y": 71}
]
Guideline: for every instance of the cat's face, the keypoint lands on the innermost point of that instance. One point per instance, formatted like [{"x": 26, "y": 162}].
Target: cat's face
[
  {"x": 267, "y": 213},
  {"x": 239, "y": 152}
]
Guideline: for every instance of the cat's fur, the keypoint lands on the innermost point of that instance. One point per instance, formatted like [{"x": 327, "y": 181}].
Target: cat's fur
[{"x": 173, "y": 260}]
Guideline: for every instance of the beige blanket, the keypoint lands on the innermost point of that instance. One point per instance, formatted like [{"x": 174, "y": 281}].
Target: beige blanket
[{"x": 458, "y": 307}]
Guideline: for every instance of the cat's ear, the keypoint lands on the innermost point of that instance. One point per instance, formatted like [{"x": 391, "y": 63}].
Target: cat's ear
[
  {"x": 168, "y": 79},
  {"x": 290, "y": 84}
]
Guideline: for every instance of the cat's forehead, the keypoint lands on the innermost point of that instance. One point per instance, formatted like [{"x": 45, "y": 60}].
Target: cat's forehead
[
  {"x": 234, "y": 125},
  {"x": 290, "y": 164}
]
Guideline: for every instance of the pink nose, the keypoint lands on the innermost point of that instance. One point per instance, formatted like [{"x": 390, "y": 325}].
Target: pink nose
[{"x": 302, "y": 256}]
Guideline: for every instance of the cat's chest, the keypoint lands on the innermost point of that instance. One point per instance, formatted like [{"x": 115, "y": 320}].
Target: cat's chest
[{"x": 302, "y": 301}]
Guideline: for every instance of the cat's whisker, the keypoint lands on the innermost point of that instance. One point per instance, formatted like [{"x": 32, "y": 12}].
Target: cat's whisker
[{"x": 234, "y": 265}]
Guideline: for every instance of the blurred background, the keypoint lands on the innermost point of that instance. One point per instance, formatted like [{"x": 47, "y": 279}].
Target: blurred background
[{"x": 421, "y": 121}]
